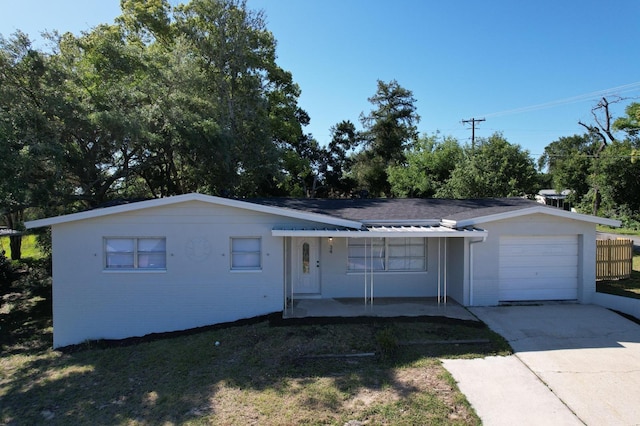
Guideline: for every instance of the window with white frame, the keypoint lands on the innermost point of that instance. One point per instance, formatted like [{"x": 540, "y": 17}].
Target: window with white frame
[
  {"x": 387, "y": 254},
  {"x": 246, "y": 253},
  {"x": 135, "y": 253}
]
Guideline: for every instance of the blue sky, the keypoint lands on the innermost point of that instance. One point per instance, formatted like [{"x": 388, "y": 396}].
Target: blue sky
[{"x": 532, "y": 69}]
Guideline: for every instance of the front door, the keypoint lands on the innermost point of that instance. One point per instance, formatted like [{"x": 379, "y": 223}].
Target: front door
[{"x": 307, "y": 266}]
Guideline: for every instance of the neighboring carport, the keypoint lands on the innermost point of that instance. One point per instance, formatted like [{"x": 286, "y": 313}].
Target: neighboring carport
[{"x": 587, "y": 356}]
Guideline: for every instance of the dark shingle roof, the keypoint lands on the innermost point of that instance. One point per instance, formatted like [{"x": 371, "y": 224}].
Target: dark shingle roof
[{"x": 400, "y": 209}]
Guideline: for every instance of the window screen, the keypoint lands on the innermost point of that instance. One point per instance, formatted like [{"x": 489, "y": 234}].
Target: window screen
[
  {"x": 135, "y": 253},
  {"x": 246, "y": 253},
  {"x": 387, "y": 254}
]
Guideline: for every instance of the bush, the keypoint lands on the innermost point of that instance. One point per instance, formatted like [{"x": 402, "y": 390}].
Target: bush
[{"x": 629, "y": 218}]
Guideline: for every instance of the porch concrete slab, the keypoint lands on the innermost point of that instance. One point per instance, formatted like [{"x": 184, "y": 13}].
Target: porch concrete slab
[
  {"x": 381, "y": 307},
  {"x": 503, "y": 391},
  {"x": 588, "y": 356}
]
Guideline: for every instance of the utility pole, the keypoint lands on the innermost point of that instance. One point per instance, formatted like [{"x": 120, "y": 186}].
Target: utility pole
[{"x": 473, "y": 122}]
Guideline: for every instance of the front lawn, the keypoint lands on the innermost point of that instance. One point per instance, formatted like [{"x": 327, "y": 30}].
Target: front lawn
[{"x": 260, "y": 373}]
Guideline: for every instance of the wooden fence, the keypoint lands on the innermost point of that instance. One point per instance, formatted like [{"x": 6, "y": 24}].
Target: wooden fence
[{"x": 614, "y": 259}]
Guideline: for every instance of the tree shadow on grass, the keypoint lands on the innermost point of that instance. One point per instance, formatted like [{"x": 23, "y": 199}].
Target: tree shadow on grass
[
  {"x": 260, "y": 371},
  {"x": 263, "y": 371}
]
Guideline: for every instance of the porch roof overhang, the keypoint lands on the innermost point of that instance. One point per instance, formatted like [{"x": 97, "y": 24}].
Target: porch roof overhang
[{"x": 436, "y": 231}]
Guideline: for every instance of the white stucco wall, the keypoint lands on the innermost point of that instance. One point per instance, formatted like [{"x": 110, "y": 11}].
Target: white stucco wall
[
  {"x": 486, "y": 259},
  {"x": 195, "y": 290}
]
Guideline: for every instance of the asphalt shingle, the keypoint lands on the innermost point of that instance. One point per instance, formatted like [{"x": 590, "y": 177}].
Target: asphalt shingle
[{"x": 400, "y": 209}]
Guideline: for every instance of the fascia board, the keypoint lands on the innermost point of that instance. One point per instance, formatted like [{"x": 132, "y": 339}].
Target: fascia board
[
  {"x": 477, "y": 233},
  {"x": 532, "y": 210},
  {"x": 141, "y": 205}
]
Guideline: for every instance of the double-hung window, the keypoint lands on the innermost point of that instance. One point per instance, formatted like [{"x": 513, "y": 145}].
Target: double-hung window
[
  {"x": 246, "y": 254},
  {"x": 387, "y": 254},
  {"x": 135, "y": 253}
]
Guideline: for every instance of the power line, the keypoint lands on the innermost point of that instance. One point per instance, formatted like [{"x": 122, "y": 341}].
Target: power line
[{"x": 619, "y": 89}]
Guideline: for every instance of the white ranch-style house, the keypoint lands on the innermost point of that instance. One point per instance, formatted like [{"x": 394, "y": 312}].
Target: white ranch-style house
[{"x": 193, "y": 260}]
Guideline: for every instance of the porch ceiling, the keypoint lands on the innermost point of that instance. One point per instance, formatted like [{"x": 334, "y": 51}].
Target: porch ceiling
[{"x": 436, "y": 231}]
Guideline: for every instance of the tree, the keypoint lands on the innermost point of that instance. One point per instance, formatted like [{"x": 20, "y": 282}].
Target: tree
[
  {"x": 429, "y": 165},
  {"x": 164, "y": 101},
  {"x": 389, "y": 129},
  {"x": 602, "y": 129},
  {"x": 29, "y": 171},
  {"x": 618, "y": 179},
  {"x": 495, "y": 168},
  {"x": 105, "y": 90},
  {"x": 254, "y": 116},
  {"x": 337, "y": 159},
  {"x": 630, "y": 124},
  {"x": 301, "y": 166},
  {"x": 569, "y": 162}
]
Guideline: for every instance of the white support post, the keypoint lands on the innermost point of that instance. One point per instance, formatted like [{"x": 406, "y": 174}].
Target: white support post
[
  {"x": 371, "y": 276},
  {"x": 445, "y": 272}
]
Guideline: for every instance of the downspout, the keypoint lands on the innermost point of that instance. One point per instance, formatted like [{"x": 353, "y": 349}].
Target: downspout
[
  {"x": 285, "y": 289},
  {"x": 439, "y": 267},
  {"x": 471, "y": 243},
  {"x": 365, "y": 273}
]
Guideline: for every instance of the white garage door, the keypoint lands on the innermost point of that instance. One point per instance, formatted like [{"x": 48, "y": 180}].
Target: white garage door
[{"x": 538, "y": 268}]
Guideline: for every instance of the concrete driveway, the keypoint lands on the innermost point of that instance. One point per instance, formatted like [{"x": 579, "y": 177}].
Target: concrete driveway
[{"x": 573, "y": 364}]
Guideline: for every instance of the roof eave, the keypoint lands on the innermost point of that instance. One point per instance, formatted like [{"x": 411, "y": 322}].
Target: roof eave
[
  {"x": 531, "y": 210},
  {"x": 158, "y": 202}
]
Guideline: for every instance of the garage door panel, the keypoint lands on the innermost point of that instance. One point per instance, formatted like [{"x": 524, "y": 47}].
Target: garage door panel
[
  {"x": 540, "y": 250},
  {"x": 538, "y": 268},
  {"x": 549, "y": 273},
  {"x": 541, "y": 294},
  {"x": 536, "y": 283},
  {"x": 539, "y": 262}
]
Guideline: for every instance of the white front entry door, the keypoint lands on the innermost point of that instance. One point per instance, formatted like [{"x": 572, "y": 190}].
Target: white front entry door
[{"x": 307, "y": 267}]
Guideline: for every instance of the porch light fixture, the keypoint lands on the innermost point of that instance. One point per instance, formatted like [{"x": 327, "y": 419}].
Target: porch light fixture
[{"x": 330, "y": 244}]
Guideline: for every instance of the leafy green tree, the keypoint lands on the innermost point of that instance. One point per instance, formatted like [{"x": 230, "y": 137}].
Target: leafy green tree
[
  {"x": 619, "y": 181},
  {"x": 337, "y": 159},
  {"x": 495, "y": 168},
  {"x": 256, "y": 100},
  {"x": 301, "y": 168},
  {"x": 428, "y": 166},
  {"x": 569, "y": 163},
  {"x": 164, "y": 101},
  {"x": 105, "y": 89},
  {"x": 630, "y": 124},
  {"x": 389, "y": 130},
  {"x": 29, "y": 172}
]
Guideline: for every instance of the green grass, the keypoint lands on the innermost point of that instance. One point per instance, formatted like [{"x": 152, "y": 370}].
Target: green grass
[
  {"x": 621, "y": 231},
  {"x": 29, "y": 249},
  {"x": 629, "y": 287},
  {"x": 259, "y": 374}
]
